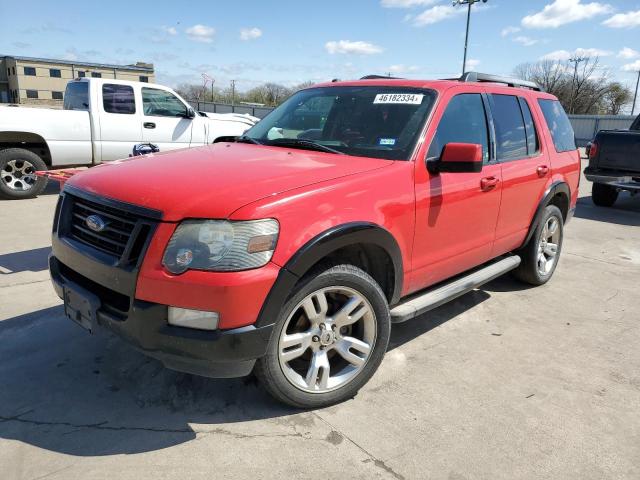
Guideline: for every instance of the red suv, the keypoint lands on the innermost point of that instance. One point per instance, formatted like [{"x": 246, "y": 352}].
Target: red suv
[{"x": 291, "y": 250}]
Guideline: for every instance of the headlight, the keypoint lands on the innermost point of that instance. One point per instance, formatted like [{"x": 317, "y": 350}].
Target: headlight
[{"x": 220, "y": 245}]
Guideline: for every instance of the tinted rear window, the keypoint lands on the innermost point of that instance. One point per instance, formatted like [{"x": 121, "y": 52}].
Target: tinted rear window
[
  {"x": 511, "y": 138},
  {"x": 118, "y": 99},
  {"x": 559, "y": 125},
  {"x": 76, "y": 96}
]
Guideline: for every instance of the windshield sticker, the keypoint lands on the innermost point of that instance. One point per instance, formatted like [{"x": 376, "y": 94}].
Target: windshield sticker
[
  {"x": 387, "y": 141},
  {"x": 399, "y": 98}
]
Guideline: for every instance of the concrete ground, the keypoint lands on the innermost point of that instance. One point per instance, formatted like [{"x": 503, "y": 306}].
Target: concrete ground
[{"x": 506, "y": 382}]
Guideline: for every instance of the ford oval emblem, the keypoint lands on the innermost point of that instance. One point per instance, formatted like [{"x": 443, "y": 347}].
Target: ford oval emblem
[{"x": 95, "y": 223}]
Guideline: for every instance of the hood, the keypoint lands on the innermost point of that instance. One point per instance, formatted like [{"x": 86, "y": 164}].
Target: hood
[{"x": 216, "y": 180}]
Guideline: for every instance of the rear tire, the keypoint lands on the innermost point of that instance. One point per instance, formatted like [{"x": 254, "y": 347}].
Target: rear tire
[
  {"x": 17, "y": 174},
  {"x": 329, "y": 339},
  {"x": 603, "y": 195},
  {"x": 540, "y": 256}
]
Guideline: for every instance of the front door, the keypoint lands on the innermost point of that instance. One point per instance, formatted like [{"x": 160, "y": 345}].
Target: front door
[
  {"x": 164, "y": 121},
  {"x": 456, "y": 213}
]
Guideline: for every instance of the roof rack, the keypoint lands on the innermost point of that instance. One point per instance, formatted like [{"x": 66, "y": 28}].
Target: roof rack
[
  {"x": 511, "y": 82},
  {"x": 380, "y": 77}
]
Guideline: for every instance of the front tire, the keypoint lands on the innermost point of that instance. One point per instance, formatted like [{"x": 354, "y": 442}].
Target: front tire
[
  {"x": 329, "y": 339},
  {"x": 17, "y": 174},
  {"x": 540, "y": 256},
  {"x": 603, "y": 195}
]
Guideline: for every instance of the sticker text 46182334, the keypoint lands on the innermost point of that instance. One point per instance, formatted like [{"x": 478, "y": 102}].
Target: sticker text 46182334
[{"x": 405, "y": 98}]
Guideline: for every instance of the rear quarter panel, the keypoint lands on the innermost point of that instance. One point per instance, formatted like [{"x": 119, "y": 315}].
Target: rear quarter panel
[{"x": 383, "y": 196}]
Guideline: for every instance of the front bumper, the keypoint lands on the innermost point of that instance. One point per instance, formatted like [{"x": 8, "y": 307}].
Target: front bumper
[{"x": 221, "y": 353}]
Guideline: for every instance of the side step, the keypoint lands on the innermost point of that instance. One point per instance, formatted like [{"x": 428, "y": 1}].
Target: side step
[{"x": 434, "y": 297}]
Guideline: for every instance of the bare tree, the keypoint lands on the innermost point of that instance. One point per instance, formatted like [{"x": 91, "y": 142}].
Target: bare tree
[
  {"x": 581, "y": 88},
  {"x": 616, "y": 98}
]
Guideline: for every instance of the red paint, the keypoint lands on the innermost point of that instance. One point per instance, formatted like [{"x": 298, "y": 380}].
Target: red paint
[
  {"x": 462, "y": 152},
  {"x": 444, "y": 223}
]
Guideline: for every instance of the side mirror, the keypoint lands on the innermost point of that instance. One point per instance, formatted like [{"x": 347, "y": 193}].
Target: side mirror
[
  {"x": 190, "y": 113},
  {"x": 460, "y": 158}
]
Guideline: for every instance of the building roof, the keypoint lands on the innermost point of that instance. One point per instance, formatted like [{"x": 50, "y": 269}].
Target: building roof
[{"x": 140, "y": 66}]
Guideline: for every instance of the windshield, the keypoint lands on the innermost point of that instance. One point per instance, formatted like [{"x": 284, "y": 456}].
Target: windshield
[{"x": 381, "y": 122}]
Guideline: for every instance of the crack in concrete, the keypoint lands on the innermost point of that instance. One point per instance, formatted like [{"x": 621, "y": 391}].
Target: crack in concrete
[
  {"x": 617, "y": 264},
  {"x": 104, "y": 426},
  {"x": 372, "y": 458},
  {"x": 24, "y": 283}
]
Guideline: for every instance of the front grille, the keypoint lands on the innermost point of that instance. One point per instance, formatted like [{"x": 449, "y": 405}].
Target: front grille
[{"x": 124, "y": 236}]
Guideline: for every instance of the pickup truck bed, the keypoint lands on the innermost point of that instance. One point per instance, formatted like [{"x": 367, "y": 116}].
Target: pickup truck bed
[{"x": 614, "y": 163}]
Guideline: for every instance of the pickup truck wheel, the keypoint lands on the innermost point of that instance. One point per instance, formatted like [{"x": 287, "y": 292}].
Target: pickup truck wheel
[
  {"x": 17, "y": 174},
  {"x": 329, "y": 339},
  {"x": 603, "y": 195},
  {"x": 540, "y": 256}
]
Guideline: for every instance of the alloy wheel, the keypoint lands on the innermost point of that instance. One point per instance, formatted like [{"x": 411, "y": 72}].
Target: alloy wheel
[
  {"x": 327, "y": 339},
  {"x": 19, "y": 175},
  {"x": 548, "y": 246}
]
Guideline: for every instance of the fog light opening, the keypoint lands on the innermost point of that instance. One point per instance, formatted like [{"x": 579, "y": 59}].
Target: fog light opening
[{"x": 198, "y": 319}]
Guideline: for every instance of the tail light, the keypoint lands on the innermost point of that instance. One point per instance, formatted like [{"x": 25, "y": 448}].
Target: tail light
[{"x": 593, "y": 150}]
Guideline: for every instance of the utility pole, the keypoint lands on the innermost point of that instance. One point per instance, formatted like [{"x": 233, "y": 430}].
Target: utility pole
[
  {"x": 469, "y": 3},
  {"x": 635, "y": 95},
  {"x": 233, "y": 93},
  {"x": 575, "y": 60}
]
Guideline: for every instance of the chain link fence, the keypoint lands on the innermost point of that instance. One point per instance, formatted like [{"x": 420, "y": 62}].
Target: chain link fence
[{"x": 213, "y": 107}]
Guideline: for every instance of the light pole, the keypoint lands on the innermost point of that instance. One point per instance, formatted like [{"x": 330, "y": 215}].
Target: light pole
[
  {"x": 635, "y": 95},
  {"x": 576, "y": 60},
  {"x": 469, "y": 3}
]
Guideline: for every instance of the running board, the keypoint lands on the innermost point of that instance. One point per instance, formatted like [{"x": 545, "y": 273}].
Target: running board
[{"x": 434, "y": 297}]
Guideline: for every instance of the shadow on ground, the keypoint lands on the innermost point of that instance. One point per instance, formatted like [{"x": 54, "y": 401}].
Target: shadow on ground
[
  {"x": 626, "y": 210},
  {"x": 89, "y": 395},
  {"x": 35, "y": 260}
]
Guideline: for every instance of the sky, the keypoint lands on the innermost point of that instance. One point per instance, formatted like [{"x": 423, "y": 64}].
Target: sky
[{"x": 291, "y": 42}]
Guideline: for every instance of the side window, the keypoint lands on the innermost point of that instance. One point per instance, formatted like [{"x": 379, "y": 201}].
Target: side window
[
  {"x": 559, "y": 125},
  {"x": 76, "y": 96},
  {"x": 159, "y": 103},
  {"x": 30, "y": 71},
  {"x": 533, "y": 144},
  {"x": 463, "y": 121},
  {"x": 511, "y": 138},
  {"x": 118, "y": 99}
]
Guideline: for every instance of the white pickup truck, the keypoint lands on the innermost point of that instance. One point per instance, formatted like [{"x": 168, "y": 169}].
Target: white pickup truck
[{"x": 102, "y": 120}]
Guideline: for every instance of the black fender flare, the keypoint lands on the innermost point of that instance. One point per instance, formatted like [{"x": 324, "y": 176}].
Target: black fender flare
[
  {"x": 557, "y": 187},
  {"x": 318, "y": 248}
]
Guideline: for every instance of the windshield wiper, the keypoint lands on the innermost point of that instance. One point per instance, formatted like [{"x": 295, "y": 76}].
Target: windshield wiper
[
  {"x": 246, "y": 139},
  {"x": 298, "y": 142}
]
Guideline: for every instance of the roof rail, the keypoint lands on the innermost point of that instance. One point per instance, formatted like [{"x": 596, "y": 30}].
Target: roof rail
[
  {"x": 379, "y": 77},
  {"x": 511, "y": 82}
]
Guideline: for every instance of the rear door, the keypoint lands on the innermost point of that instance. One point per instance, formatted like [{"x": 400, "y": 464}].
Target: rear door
[
  {"x": 164, "y": 121},
  {"x": 526, "y": 169},
  {"x": 120, "y": 121},
  {"x": 456, "y": 213}
]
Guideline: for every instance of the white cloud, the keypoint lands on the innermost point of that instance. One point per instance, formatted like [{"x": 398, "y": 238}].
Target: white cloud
[
  {"x": 509, "y": 30},
  {"x": 624, "y": 20},
  {"x": 472, "y": 64},
  {"x": 525, "y": 41},
  {"x": 403, "y": 68},
  {"x": 435, "y": 14},
  {"x": 563, "y": 55},
  {"x": 628, "y": 53},
  {"x": 561, "y": 12},
  {"x": 632, "y": 67},
  {"x": 201, "y": 33},
  {"x": 349, "y": 47},
  {"x": 170, "y": 31},
  {"x": 250, "y": 33},
  {"x": 406, "y": 3}
]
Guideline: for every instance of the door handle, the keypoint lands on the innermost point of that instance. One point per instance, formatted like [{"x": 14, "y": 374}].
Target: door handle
[
  {"x": 149, "y": 125},
  {"x": 542, "y": 170},
  {"x": 488, "y": 183}
]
